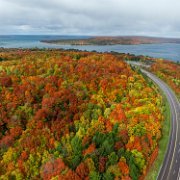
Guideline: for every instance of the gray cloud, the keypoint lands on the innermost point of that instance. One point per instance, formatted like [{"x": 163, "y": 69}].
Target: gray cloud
[{"x": 95, "y": 17}]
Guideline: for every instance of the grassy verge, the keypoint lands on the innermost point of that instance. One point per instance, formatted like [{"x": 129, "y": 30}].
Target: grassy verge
[{"x": 163, "y": 143}]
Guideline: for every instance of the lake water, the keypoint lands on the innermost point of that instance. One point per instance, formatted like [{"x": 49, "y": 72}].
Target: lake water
[{"x": 167, "y": 51}]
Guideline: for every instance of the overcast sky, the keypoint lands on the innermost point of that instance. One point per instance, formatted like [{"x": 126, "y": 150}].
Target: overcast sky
[{"x": 91, "y": 17}]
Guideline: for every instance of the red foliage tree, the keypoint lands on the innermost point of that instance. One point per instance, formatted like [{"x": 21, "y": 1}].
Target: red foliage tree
[{"x": 82, "y": 170}]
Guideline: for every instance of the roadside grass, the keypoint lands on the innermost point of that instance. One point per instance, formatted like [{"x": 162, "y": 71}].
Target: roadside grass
[{"x": 163, "y": 143}]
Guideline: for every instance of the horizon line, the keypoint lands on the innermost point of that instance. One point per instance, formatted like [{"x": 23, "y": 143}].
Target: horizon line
[{"x": 146, "y": 36}]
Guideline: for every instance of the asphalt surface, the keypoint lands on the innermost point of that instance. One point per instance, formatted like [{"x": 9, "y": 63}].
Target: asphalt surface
[{"x": 170, "y": 169}]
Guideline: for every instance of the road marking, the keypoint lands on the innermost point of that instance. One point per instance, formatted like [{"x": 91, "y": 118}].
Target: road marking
[
  {"x": 176, "y": 139},
  {"x": 176, "y": 115},
  {"x": 170, "y": 96},
  {"x": 179, "y": 174},
  {"x": 163, "y": 86}
]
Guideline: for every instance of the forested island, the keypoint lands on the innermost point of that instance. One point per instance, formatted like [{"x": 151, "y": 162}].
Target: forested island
[{"x": 113, "y": 40}]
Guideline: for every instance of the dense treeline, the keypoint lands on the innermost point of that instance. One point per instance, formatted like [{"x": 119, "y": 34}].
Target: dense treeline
[
  {"x": 169, "y": 72},
  {"x": 75, "y": 115}
]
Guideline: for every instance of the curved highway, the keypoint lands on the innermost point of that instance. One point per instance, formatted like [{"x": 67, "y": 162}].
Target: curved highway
[{"x": 170, "y": 169}]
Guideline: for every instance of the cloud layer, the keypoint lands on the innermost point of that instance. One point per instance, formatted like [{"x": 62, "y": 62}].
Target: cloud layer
[{"x": 95, "y": 17}]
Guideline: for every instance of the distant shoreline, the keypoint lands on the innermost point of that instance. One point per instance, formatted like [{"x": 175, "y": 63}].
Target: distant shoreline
[
  {"x": 163, "y": 50},
  {"x": 108, "y": 40}
]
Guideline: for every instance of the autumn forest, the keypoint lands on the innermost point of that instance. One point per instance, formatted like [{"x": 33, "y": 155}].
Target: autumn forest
[{"x": 78, "y": 115}]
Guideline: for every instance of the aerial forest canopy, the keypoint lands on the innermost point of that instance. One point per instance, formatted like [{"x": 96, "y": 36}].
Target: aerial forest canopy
[{"x": 76, "y": 115}]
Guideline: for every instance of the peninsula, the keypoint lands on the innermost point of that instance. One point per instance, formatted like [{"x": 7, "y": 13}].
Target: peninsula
[{"x": 113, "y": 40}]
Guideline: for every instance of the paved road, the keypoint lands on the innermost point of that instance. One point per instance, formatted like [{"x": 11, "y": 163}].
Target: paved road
[
  {"x": 137, "y": 63},
  {"x": 170, "y": 169}
]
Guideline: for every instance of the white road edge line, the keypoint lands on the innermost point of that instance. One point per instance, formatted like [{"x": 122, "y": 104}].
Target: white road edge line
[{"x": 156, "y": 80}]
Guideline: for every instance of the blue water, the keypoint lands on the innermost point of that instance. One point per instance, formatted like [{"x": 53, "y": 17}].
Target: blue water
[{"x": 166, "y": 51}]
